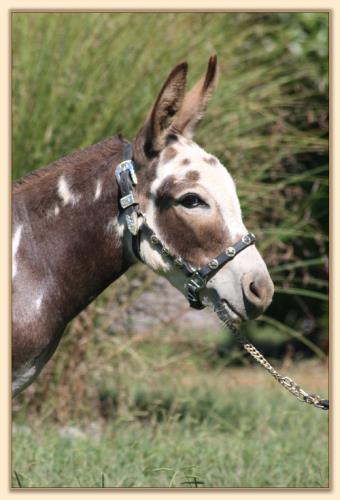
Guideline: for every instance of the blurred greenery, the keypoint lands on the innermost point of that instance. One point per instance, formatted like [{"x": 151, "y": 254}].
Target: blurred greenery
[
  {"x": 78, "y": 78},
  {"x": 239, "y": 432}
]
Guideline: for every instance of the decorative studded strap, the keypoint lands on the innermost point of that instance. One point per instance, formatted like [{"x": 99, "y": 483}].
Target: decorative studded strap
[
  {"x": 226, "y": 256},
  {"x": 145, "y": 229},
  {"x": 198, "y": 278},
  {"x": 202, "y": 275}
]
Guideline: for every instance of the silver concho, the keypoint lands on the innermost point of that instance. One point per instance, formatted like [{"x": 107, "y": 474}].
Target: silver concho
[
  {"x": 230, "y": 251},
  {"x": 154, "y": 239},
  {"x": 213, "y": 264},
  {"x": 246, "y": 239}
]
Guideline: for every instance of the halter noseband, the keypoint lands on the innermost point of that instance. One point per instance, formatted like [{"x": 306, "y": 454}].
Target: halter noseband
[{"x": 197, "y": 277}]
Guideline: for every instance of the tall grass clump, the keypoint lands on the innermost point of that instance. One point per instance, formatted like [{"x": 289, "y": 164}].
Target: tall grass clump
[{"x": 80, "y": 77}]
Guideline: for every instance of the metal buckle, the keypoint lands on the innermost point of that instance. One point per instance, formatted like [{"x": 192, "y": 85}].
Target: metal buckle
[
  {"x": 196, "y": 281},
  {"x": 126, "y": 166},
  {"x": 127, "y": 200},
  {"x": 191, "y": 292},
  {"x": 194, "y": 285},
  {"x": 132, "y": 223}
]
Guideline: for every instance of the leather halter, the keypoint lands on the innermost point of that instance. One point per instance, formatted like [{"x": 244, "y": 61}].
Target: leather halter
[{"x": 197, "y": 277}]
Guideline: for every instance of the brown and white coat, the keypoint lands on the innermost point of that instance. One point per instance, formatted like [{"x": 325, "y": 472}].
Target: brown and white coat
[{"x": 70, "y": 240}]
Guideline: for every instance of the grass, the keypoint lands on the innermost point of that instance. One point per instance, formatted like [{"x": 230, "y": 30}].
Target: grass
[
  {"x": 161, "y": 406},
  {"x": 151, "y": 408},
  {"x": 237, "y": 430}
]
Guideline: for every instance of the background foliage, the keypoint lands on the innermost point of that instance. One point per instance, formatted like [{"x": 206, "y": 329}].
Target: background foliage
[{"x": 78, "y": 78}]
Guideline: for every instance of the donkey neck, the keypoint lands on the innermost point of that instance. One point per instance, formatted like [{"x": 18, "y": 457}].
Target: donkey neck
[{"x": 71, "y": 241}]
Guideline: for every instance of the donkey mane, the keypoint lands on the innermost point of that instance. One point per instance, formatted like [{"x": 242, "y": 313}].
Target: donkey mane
[{"x": 94, "y": 156}]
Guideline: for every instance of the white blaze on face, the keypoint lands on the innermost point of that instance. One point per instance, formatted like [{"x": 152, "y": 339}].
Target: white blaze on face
[
  {"x": 67, "y": 196},
  {"x": 15, "y": 247}
]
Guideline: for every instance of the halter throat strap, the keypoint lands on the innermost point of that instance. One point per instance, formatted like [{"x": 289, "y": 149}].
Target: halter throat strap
[{"x": 197, "y": 277}]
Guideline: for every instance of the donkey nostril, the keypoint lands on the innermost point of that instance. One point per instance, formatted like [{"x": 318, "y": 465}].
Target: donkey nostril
[
  {"x": 254, "y": 290},
  {"x": 257, "y": 292}
]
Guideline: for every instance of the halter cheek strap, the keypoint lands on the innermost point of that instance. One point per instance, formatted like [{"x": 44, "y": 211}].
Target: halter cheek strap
[
  {"x": 197, "y": 277},
  {"x": 127, "y": 179}
]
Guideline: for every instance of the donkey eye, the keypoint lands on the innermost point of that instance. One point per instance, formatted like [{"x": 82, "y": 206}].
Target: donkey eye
[{"x": 191, "y": 200}]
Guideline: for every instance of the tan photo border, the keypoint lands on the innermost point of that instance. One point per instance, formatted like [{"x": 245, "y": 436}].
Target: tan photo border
[{"x": 6, "y": 7}]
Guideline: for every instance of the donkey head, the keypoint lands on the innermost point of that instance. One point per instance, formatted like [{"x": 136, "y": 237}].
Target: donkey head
[{"x": 190, "y": 201}]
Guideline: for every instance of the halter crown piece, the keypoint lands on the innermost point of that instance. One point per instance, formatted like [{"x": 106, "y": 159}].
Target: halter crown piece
[{"x": 197, "y": 277}]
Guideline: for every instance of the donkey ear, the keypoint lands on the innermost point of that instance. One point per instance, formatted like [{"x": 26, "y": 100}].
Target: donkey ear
[
  {"x": 167, "y": 104},
  {"x": 195, "y": 101}
]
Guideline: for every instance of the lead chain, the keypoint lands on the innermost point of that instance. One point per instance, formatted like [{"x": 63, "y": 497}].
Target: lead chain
[{"x": 286, "y": 382}]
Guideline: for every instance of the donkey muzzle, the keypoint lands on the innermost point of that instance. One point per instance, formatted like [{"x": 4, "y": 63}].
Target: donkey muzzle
[{"x": 258, "y": 290}]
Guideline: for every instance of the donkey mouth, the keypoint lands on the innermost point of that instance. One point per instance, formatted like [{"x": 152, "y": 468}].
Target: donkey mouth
[{"x": 227, "y": 313}]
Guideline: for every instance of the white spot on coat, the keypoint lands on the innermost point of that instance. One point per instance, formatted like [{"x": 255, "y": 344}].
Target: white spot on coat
[
  {"x": 15, "y": 246},
  {"x": 116, "y": 228},
  {"x": 53, "y": 212},
  {"x": 65, "y": 193},
  {"x": 98, "y": 190},
  {"x": 38, "y": 301}
]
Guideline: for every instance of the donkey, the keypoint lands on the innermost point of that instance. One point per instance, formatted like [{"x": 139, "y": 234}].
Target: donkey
[{"x": 81, "y": 222}]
